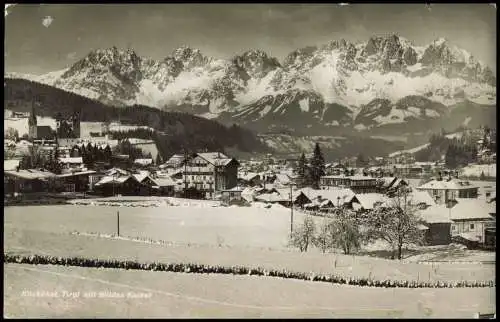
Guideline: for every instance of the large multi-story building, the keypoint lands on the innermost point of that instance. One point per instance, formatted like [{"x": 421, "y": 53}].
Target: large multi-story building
[
  {"x": 358, "y": 184},
  {"x": 210, "y": 173},
  {"x": 445, "y": 190}
]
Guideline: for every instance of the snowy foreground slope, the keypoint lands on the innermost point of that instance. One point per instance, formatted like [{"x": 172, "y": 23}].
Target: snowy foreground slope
[
  {"x": 200, "y": 232},
  {"x": 139, "y": 294}
]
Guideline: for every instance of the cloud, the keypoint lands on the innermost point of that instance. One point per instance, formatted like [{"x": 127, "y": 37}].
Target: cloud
[
  {"x": 47, "y": 21},
  {"x": 7, "y": 6}
]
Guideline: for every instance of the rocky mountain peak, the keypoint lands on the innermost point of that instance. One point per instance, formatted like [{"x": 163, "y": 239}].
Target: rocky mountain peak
[
  {"x": 256, "y": 63},
  {"x": 189, "y": 57}
]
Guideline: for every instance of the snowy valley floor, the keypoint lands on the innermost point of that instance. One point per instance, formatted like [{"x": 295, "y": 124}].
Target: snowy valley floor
[
  {"x": 200, "y": 233},
  {"x": 161, "y": 294}
]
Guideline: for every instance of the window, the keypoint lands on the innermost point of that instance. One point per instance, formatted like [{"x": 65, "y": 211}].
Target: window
[
  {"x": 453, "y": 227},
  {"x": 471, "y": 226}
]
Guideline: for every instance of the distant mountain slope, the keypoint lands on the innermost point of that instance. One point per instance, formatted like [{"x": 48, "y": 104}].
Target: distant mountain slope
[
  {"x": 175, "y": 130},
  {"x": 380, "y": 86}
]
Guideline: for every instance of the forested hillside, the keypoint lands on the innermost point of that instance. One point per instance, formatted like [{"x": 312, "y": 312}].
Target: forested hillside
[{"x": 173, "y": 131}]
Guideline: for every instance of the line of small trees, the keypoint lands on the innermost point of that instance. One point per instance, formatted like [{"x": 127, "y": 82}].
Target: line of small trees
[
  {"x": 35, "y": 159},
  {"x": 92, "y": 153},
  {"x": 396, "y": 223}
]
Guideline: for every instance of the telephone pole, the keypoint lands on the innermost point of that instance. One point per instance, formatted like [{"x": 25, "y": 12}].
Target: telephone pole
[{"x": 291, "y": 208}]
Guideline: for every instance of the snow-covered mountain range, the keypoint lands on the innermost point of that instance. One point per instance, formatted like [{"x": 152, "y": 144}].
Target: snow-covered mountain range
[{"x": 383, "y": 82}]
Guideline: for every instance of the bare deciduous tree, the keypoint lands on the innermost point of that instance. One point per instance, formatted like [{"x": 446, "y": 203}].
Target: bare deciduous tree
[
  {"x": 11, "y": 134},
  {"x": 341, "y": 231},
  {"x": 303, "y": 235},
  {"x": 395, "y": 222}
]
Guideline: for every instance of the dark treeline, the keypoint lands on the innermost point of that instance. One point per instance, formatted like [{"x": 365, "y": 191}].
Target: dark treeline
[
  {"x": 456, "y": 151},
  {"x": 176, "y": 131}
]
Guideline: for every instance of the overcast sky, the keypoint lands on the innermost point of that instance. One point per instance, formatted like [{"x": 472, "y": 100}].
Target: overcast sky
[{"x": 42, "y": 38}]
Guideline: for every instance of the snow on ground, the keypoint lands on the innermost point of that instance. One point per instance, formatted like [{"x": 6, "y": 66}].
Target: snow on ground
[
  {"x": 265, "y": 110},
  {"x": 456, "y": 135},
  {"x": 413, "y": 150},
  {"x": 397, "y": 116},
  {"x": 163, "y": 294},
  {"x": 475, "y": 170},
  {"x": 21, "y": 124},
  {"x": 304, "y": 104},
  {"x": 258, "y": 88},
  {"x": 249, "y": 236}
]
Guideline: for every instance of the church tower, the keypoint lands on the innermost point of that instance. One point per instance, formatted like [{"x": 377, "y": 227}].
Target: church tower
[
  {"x": 32, "y": 123},
  {"x": 76, "y": 124}
]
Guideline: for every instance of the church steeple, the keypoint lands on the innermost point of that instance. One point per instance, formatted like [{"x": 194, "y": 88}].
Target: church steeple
[
  {"x": 32, "y": 123},
  {"x": 32, "y": 119}
]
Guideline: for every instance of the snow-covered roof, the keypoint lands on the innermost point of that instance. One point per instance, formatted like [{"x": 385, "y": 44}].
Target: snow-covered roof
[
  {"x": 164, "y": 182},
  {"x": 111, "y": 179},
  {"x": 283, "y": 178},
  {"x": 212, "y": 156},
  {"x": 465, "y": 209},
  {"x": 115, "y": 171},
  {"x": 368, "y": 200},
  {"x": 80, "y": 173},
  {"x": 387, "y": 181},
  {"x": 174, "y": 160},
  {"x": 285, "y": 193},
  {"x": 249, "y": 176},
  {"x": 10, "y": 165},
  {"x": 417, "y": 197},
  {"x": 235, "y": 189},
  {"x": 24, "y": 143},
  {"x": 472, "y": 236},
  {"x": 143, "y": 161},
  {"x": 140, "y": 176},
  {"x": 471, "y": 205},
  {"x": 448, "y": 184},
  {"x": 73, "y": 160},
  {"x": 8, "y": 142},
  {"x": 271, "y": 197},
  {"x": 30, "y": 174},
  {"x": 330, "y": 194},
  {"x": 355, "y": 177},
  {"x": 435, "y": 215}
]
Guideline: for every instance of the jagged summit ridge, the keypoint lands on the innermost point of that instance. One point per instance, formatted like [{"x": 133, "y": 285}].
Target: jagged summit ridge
[{"x": 335, "y": 81}]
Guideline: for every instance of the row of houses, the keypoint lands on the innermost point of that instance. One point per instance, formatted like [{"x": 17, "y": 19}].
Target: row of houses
[
  {"x": 107, "y": 183},
  {"x": 467, "y": 220}
]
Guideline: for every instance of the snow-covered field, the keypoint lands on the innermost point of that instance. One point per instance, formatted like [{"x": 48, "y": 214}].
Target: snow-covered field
[
  {"x": 161, "y": 294},
  {"x": 475, "y": 170},
  {"x": 214, "y": 235},
  {"x": 193, "y": 231},
  {"x": 413, "y": 150},
  {"x": 21, "y": 124}
]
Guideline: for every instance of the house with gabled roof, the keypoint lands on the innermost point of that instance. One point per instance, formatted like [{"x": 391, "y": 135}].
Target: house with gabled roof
[
  {"x": 445, "y": 190},
  {"x": 470, "y": 218},
  {"x": 210, "y": 173}
]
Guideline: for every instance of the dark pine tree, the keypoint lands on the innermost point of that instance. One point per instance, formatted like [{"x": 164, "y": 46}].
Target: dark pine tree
[
  {"x": 95, "y": 153},
  {"x": 158, "y": 160},
  {"x": 450, "y": 158},
  {"x": 317, "y": 167},
  {"x": 90, "y": 154},
  {"x": 84, "y": 154},
  {"x": 107, "y": 154},
  {"x": 302, "y": 171}
]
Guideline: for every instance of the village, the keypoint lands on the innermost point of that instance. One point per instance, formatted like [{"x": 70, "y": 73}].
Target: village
[{"x": 80, "y": 165}]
